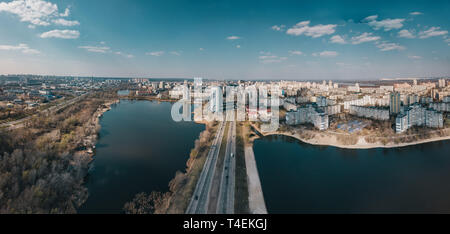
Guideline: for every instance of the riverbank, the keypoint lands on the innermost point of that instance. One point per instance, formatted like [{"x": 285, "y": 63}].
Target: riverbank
[
  {"x": 256, "y": 201},
  {"x": 93, "y": 127},
  {"x": 326, "y": 139},
  {"x": 182, "y": 186}
]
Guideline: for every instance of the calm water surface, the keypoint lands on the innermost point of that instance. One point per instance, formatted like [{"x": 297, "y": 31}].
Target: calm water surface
[
  {"x": 302, "y": 178},
  {"x": 139, "y": 150}
]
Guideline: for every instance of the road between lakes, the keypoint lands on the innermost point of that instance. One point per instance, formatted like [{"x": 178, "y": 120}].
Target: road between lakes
[
  {"x": 225, "y": 204},
  {"x": 200, "y": 198}
]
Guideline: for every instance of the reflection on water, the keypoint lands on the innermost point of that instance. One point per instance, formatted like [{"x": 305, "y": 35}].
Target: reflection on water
[
  {"x": 300, "y": 178},
  {"x": 139, "y": 150}
]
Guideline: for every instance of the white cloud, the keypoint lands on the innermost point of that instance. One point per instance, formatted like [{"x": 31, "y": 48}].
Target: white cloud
[
  {"x": 312, "y": 31},
  {"x": 326, "y": 54},
  {"x": 35, "y": 12},
  {"x": 66, "y": 13},
  {"x": 295, "y": 52},
  {"x": 371, "y": 18},
  {"x": 64, "y": 22},
  {"x": 414, "y": 57},
  {"x": 267, "y": 58},
  {"x": 238, "y": 46},
  {"x": 387, "y": 24},
  {"x": 104, "y": 49},
  {"x": 201, "y": 49},
  {"x": 63, "y": 34},
  {"x": 416, "y": 13},
  {"x": 124, "y": 55},
  {"x": 278, "y": 27},
  {"x": 21, "y": 47},
  {"x": 388, "y": 46},
  {"x": 432, "y": 32},
  {"x": 448, "y": 41},
  {"x": 406, "y": 34},
  {"x": 233, "y": 38},
  {"x": 337, "y": 39},
  {"x": 175, "y": 53},
  {"x": 96, "y": 49},
  {"x": 155, "y": 53},
  {"x": 365, "y": 37}
]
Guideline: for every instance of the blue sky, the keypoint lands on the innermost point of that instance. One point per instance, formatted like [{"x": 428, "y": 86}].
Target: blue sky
[{"x": 303, "y": 40}]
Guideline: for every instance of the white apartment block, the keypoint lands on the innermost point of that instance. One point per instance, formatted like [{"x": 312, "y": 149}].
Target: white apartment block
[
  {"x": 367, "y": 101},
  {"x": 370, "y": 112},
  {"x": 416, "y": 115},
  {"x": 308, "y": 114}
]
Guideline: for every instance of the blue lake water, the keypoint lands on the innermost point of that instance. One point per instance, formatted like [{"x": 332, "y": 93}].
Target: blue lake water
[
  {"x": 139, "y": 150},
  {"x": 300, "y": 178}
]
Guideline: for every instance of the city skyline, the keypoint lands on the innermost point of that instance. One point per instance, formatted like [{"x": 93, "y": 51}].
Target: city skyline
[{"x": 227, "y": 40}]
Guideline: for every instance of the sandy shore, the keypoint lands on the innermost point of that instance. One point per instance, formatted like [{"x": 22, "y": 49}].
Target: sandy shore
[
  {"x": 255, "y": 193},
  {"x": 322, "y": 138},
  {"x": 362, "y": 144}
]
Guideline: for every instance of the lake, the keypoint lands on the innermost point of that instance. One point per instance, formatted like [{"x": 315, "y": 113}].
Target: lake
[
  {"x": 300, "y": 178},
  {"x": 139, "y": 149}
]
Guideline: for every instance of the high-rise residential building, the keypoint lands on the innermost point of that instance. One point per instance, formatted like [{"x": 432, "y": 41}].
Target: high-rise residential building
[
  {"x": 417, "y": 115},
  {"x": 441, "y": 83},
  {"x": 216, "y": 100},
  {"x": 401, "y": 123},
  {"x": 394, "y": 103},
  {"x": 308, "y": 114},
  {"x": 433, "y": 93},
  {"x": 321, "y": 101}
]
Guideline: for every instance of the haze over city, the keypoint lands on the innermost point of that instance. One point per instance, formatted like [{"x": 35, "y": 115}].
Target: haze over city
[{"x": 300, "y": 40}]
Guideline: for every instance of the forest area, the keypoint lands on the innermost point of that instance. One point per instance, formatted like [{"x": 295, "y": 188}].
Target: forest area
[{"x": 44, "y": 164}]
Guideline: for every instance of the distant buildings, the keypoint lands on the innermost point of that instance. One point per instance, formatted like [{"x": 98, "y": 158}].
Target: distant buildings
[
  {"x": 321, "y": 101},
  {"x": 441, "y": 83},
  {"x": 394, "y": 103},
  {"x": 355, "y": 88},
  {"x": 289, "y": 106}
]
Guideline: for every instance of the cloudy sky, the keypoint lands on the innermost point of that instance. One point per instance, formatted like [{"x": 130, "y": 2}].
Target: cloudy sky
[{"x": 301, "y": 40}]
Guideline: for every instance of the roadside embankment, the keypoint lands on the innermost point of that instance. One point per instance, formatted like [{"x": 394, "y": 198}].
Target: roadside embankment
[{"x": 256, "y": 197}]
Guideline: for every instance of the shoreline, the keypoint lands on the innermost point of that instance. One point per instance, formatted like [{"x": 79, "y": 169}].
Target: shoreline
[
  {"x": 256, "y": 202},
  {"x": 94, "y": 124},
  {"x": 327, "y": 140}
]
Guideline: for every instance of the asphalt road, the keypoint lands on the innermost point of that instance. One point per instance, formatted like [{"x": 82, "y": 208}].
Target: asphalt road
[
  {"x": 225, "y": 204},
  {"x": 200, "y": 198}
]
